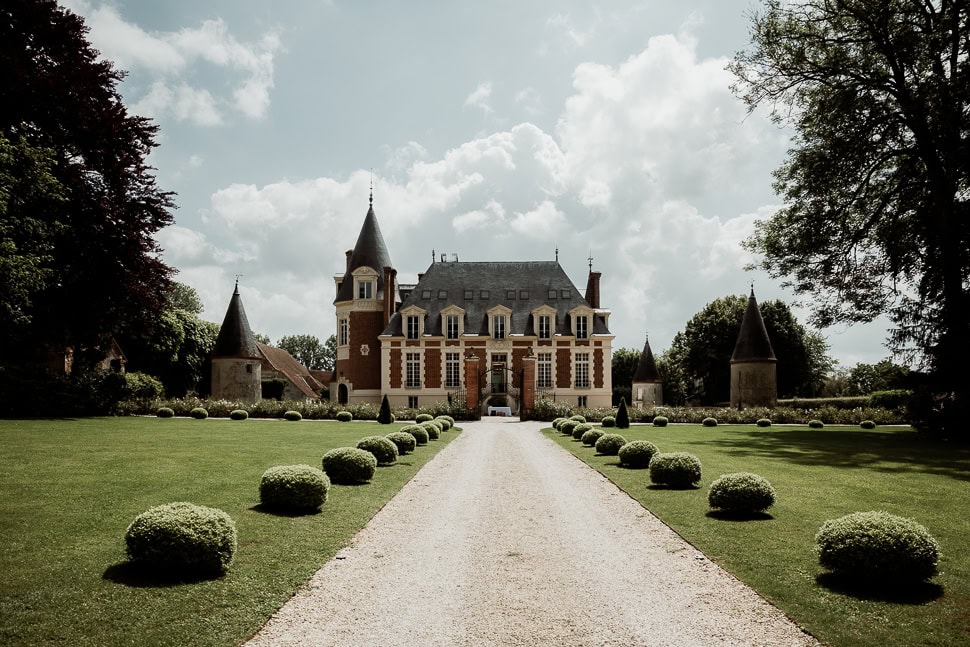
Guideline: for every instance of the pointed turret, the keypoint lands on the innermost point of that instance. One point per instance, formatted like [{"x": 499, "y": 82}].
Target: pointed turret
[
  {"x": 753, "y": 365},
  {"x": 647, "y": 389},
  {"x": 369, "y": 251},
  {"x": 753, "y": 343},
  {"x": 236, "y": 360},
  {"x": 236, "y": 338}
]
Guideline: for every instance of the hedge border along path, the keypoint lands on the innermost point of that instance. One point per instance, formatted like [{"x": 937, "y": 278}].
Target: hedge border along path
[{"x": 492, "y": 543}]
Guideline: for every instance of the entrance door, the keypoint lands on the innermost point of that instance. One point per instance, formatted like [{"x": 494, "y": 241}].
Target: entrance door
[
  {"x": 499, "y": 362},
  {"x": 342, "y": 394}
]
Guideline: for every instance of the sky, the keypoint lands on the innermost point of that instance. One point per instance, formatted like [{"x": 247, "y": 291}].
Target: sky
[{"x": 494, "y": 131}]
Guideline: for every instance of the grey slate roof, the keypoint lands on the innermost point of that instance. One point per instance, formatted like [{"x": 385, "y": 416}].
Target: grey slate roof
[
  {"x": 647, "y": 368},
  {"x": 236, "y": 338},
  {"x": 370, "y": 251},
  {"x": 753, "y": 343},
  {"x": 521, "y": 286}
]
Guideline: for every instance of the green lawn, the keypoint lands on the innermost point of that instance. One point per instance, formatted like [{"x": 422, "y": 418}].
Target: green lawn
[
  {"x": 818, "y": 475},
  {"x": 71, "y": 487}
]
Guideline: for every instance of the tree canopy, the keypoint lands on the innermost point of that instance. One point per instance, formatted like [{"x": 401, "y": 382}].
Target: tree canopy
[
  {"x": 308, "y": 350},
  {"x": 703, "y": 350},
  {"x": 875, "y": 185},
  {"x": 80, "y": 206}
]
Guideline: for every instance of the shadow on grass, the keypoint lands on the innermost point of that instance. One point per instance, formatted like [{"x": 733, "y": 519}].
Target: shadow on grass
[
  {"x": 892, "y": 452},
  {"x": 896, "y": 593},
  {"x": 142, "y": 576},
  {"x": 664, "y": 486},
  {"x": 277, "y": 512},
  {"x": 739, "y": 515}
]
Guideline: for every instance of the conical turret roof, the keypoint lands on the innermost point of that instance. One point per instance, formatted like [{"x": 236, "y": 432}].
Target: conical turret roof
[
  {"x": 647, "y": 368},
  {"x": 236, "y": 338},
  {"x": 370, "y": 251},
  {"x": 753, "y": 343}
]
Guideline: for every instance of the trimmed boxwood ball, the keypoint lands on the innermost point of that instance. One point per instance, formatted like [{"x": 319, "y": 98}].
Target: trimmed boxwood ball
[
  {"x": 556, "y": 422},
  {"x": 423, "y": 417},
  {"x": 660, "y": 421},
  {"x": 293, "y": 488},
  {"x": 581, "y": 429},
  {"x": 609, "y": 444},
  {"x": 709, "y": 422},
  {"x": 238, "y": 414},
  {"x": 384, "y": 450},
  {"x": 816, "y": 424},
  {"x": 433, "y": 429},
  {"x": 199, "y": 413},
  {"x": 345, "y": 416},
  {"x": 763, "y": 422},
  {"x": 741, "y": 492},
  {"x": 349, "y": 465},
  {"x": 590, "y": 437},
  {"x": 405, "y": 442},
  {"x": 182, "y": 537},
  {"x": 878, "y": 547},
  {"x": 293, "y": 416},
  {"x": 578, "y": 418},
  {"x": 675, "y": 469},
  {"x": 566, "y": 427},
  {"x": 608, "y": 421},
  {"x": 420, "y": 434},
  {"x": 165, "y": 412},
  {"x": 636, "y": 454},
  {"x": 867, "y": 424},
  {"x": 446, "y": 422}
]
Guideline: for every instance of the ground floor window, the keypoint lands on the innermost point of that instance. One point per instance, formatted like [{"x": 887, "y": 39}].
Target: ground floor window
[
  {"x": 582, "y": 370},
  {"x": 452, "y": 370},
  {"x": 412, "y": 402},
  {"x": 581, "y": 402},
  {"x": 544, "y": 371},
  {"x": 413, "y": 365}
]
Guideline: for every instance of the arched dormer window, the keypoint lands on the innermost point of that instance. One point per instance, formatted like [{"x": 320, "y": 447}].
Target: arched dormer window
[
  {"x": 452, "y": 322},
  {"x": 582, "y": 322},
  {"x": 365, "y": 284},
  {"x": 499, "y": 320}
]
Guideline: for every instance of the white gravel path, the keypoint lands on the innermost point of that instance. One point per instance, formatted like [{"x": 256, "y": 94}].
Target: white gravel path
[{"x": 504, "y": 538}]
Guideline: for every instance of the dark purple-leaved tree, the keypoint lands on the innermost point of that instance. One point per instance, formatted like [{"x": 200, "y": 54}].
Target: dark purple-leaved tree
[{"x": 86, "y": 264}]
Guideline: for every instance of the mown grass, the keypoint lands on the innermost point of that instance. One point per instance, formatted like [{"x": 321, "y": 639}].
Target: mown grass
[
  {"x": 71, "y": 487},
  {"x": 819, "y": 475}
]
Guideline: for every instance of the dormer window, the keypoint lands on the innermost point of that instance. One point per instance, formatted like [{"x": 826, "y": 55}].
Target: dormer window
[
  {"x": 413, "y": 327},
  {"x": 452, "y": 326},
  {"x": 543, "y": 332},
  {"x": 582, "y": 318},
  {"x": 544, "y": 321},
  {"x": 582, "y": 327},
  {"x": 365, "y": 290},
  {"x": 412, "y": 322},
  {"x": 498, "y": 326},
  {"x": 452, "y": 319}
]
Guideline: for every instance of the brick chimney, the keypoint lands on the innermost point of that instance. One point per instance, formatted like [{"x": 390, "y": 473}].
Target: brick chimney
[
  {"x": 348, "y": 254},
  {"x": 593, "y": 289}
]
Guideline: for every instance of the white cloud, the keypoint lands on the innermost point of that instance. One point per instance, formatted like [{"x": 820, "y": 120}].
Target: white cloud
[
  {"x": 244, "y": 71},
  {"x": 479, "y": 97}
]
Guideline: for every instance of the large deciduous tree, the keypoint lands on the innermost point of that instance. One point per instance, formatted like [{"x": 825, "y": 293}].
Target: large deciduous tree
[
  {"x": 875, "y": 186},
  {"x": 622, "y": 370},
  {"x": 703, "y": 350},
  {"x": 87, "y": 264},
  {"x": 307, "y": 350}
]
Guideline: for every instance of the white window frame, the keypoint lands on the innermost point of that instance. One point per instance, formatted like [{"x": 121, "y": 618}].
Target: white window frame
[
  {"x": 412, "y": 370},
  {"x": 499, "y": 330},
  {"x": 365, "y": 289},
  {"x": 544, "y": 371},
  {"x": 582, "y": 371},
  {"x": 582, "y": 327},
  {"x": 452, "y": 332},
  {"x": 413, "y": 326},
  {"x": 452, "y": 370},
  {"x": 545, "y": 330},
  {"x": 344, "y": 328}
]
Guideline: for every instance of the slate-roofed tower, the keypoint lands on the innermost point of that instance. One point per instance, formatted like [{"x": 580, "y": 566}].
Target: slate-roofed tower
[
  {"x": 753, "y": 365},
  {"x": 236, "y": 362},
  {"x": 647, "y": 387},
  {"x": 366, "y": 299}
]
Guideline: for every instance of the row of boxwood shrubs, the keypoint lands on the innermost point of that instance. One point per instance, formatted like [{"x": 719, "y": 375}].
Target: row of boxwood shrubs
[
  {"x": 187, "y": 540},
  {"x": 875, "y": 547}
]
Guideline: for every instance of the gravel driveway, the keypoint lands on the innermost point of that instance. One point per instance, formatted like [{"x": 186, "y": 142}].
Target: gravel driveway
[{"x": 504, "y": 538}]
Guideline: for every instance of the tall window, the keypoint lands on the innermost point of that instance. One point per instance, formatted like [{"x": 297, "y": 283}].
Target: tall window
[
  {"x": 451, "y": 326},
  {"x": 412, "y": 402},
  {"x": 365, "y": 289},
  {"x": 414, "y": 327},
  {"x": 582, "y": 327},
  {"x": 581, "y": 402},
  {"x": 413, "y": 367},
  {"x": 498, "y": 326},
  {"x": 582, "y": 370},
  {"x": 544, "y": 327},
  {"x": 544, "y": 371},
  {"x": 452, "y": 370},
  {"x": 344, "y": 332}
]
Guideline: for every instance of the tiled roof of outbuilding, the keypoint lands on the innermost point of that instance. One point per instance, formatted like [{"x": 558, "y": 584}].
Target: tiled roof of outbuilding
[
  {"x": 370, "y": 251},
  {"x": 236, "y": 338},
  {"x": 753, "y": 343},
  {"x": 521, "y": 286},
  {"x": 281, "y": 361}
]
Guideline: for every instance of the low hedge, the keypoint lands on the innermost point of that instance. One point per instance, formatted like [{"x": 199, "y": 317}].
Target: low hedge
[
  {"x": 581, "y": 429},
  {"x": 609, "y": 444},
  {"x": 293, "y": 416},
  {"x": 405, "y": 441},
  {"x": 636, "y": 454},
  {"x": 349, "y": 465},
  {"x": 293, "y": 488},
  {"x": 675, "y": 469},
  {"x": 741, "y": 492},
  {"x": 383, "y": 449},
  {"x": 199, "y": 413},
  {"x": 184, "y": 538},
  {"x": 421, "y": 436},
  {"x": 238, "y": 414},
  {"x": 344, "y": 416},
  {"x": 165, "y": 412},
  {"x": 590, "y": 437}
]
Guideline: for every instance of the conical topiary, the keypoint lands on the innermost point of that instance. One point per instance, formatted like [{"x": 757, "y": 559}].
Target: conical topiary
[
  {"x": 622, "y": 417},
  {"x": 384, "y": 417}
]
